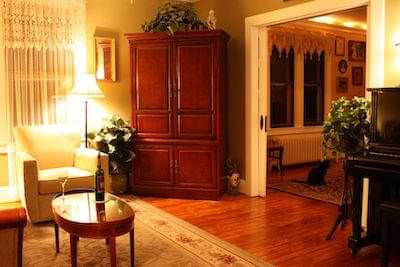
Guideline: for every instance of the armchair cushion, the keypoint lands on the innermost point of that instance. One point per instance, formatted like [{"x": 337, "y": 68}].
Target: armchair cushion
[
  {"x": 77, "y": 178},
  {"x": 52, "y": 146}
]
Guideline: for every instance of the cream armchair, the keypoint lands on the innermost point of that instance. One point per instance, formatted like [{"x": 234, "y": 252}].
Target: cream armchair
[{"x": 41, "y": 153}]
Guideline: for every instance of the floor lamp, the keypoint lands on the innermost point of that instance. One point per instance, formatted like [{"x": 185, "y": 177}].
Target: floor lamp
[{"x": 86, "y": 87}]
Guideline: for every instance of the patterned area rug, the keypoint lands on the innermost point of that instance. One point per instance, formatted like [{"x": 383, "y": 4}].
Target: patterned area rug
[
  {"x": 331, "y": 192},
  {"x": 160, "y": 240}
]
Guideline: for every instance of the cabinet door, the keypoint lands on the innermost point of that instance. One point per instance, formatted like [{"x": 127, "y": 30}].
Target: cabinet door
[
  {"x": 195, "y": 83},
  {"x": 195, "y": 166},
  {"x": 152, "y": 92},
  {"x": 153, "y": 165}
]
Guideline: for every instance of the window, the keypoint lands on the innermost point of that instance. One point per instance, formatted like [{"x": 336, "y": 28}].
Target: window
[
  {"x": 282, "y": 88},
  {"x": 314, "y": 77}
]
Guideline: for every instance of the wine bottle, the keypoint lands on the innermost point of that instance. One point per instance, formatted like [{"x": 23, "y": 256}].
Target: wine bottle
[{"x": 99, "y": 181}]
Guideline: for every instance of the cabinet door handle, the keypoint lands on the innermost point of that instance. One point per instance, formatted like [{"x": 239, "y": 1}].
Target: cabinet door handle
[{"x": 176, "y": 166}]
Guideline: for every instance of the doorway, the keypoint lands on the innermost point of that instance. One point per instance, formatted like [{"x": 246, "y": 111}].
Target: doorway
[{"x": 257, "y": 78}]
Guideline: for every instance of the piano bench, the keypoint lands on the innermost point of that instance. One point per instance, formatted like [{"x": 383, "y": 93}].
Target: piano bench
[{"x": 390, "y": 212}]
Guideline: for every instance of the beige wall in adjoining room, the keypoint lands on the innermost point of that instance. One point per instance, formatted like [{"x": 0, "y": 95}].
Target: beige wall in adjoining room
[
  {"x": 392, "y": 53},
  {"x": 114, "y": 19},
  {"x": 231, "y": 16},
  {"x": 352, "y": 89}
]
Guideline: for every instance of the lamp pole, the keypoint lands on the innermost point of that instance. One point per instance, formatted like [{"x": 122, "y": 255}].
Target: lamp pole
[{"x": 86, "y": 124}]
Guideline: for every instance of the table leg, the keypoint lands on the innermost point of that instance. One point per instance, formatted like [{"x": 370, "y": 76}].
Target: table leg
[
  {"x": 132, "y": 240},
  {"x": 113, "y": 255},
  {"x": 56, "y": 232},
  {"x": 73, "y": 240}
]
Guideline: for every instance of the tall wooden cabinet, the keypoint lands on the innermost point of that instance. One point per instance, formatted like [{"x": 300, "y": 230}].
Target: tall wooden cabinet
[{"x": 178, "y": 109}]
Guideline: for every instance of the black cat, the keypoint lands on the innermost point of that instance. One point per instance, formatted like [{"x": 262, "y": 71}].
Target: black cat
[{"x": 316, "y": 174}]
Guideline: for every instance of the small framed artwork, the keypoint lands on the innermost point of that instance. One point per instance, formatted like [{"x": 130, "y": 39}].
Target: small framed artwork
[
  {"x": 357, "y": 76},
  {"x": 342, "y": 84},
  {"x": 339, "y": 46},
  {"x": 356, "y": 51},
  {"x": 342, "y": 66}
]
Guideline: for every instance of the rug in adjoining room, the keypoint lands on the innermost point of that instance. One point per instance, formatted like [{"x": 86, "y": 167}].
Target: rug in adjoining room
[
  {"x": 160, "y": 240},
  {"x": 331, "y": 192}
]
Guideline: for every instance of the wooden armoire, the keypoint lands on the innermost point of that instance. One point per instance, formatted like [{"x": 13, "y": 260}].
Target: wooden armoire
[{"x": 178, "y": 109}]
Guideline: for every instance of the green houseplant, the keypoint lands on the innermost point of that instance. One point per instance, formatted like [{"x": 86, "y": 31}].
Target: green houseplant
[
  {"x": 115, "y": 137},
  {"x": 174, "y": 16},
  {"x": 346, "y": 131},
  {"x": 347, "y": 128}
]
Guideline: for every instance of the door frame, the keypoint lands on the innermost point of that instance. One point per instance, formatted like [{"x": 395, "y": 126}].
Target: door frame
[{"x": 256, "y": 73}]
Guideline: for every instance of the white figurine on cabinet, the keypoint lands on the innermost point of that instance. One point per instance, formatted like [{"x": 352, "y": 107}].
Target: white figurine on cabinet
[{"x": 212, "y": 20}]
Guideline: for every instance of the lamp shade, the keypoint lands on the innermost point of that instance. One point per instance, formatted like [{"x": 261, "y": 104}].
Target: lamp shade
[{"x": 86, "y": 86}]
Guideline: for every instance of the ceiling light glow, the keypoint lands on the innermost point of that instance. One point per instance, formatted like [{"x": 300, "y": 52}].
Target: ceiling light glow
[
  {"x": 349, "y": 24},
  {"x": 324, "y": 19}
]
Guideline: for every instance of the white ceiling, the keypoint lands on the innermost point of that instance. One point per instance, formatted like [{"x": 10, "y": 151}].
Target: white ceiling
[{"x": 354, "y": 18}]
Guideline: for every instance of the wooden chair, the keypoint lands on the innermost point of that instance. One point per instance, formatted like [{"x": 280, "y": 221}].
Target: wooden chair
[
  {"x": 56, "y": 228},
  {"x": 275, "y": 153},
  {"x": 12, "y": 223},
  {"x": 390, "y": 211}
]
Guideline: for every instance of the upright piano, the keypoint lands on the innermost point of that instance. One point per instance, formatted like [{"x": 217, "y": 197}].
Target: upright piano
[{"x": 380, "y": 164}]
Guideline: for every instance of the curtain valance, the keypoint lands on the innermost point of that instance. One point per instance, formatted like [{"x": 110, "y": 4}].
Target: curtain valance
[
  {"x": 302, "y": 41},
  {"x": 41, "y": 23}
]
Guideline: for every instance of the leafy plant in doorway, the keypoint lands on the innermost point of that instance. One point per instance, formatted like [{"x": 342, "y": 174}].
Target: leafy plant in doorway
[
  {"x": 174, "y": 16},
  {"x": 115, "y": 137},
  {"x": 347, "y": 128},
  {"x": 346, "y": 131}
]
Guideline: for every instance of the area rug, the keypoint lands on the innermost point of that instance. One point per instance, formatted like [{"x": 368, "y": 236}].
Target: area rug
[
  {"x": 331, "y": 192},
  {"x": 160, "y": 240}
]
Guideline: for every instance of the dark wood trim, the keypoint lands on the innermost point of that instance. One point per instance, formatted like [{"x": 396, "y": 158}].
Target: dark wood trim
[
  {"x": 145, "y": 36},
  {"x": 212, "y": 194}
]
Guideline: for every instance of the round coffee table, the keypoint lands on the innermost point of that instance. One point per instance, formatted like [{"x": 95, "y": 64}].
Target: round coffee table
[{"x": 81, "y": 216}]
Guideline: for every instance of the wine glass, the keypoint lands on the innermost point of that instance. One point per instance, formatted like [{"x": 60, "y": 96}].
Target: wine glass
[{"x": 62, "y": 177}]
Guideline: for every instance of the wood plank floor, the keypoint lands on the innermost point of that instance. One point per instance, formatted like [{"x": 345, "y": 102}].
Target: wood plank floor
[{"x": 283, "y": 229}]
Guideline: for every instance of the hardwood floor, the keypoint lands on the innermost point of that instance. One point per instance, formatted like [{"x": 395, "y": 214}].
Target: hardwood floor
[{"x": 283, "y": 229}]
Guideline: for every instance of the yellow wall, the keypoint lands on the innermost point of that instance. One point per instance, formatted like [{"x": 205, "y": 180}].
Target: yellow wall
[
  {"x": 392, "y": 53},
  {"x": 231, "y": 15},
  {"x": 3, "y": 170},
  {"x": 107, "y": 18},
  {"x": 115, "y": 18}
]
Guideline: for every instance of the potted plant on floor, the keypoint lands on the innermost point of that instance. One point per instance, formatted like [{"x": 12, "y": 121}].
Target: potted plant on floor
[
  {"x": 346, "y": 131},
  {"x": 115, "y": 138}
]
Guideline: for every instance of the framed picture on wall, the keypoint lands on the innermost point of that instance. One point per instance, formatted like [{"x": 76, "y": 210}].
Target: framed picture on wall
[
  {"x": 342, "y": 66},
  {"x": 356, "y": 51},
  {"x": 357, "y": 76},
  {"x": 339, "y": 46},
  {"x": 342, "y": 84}
]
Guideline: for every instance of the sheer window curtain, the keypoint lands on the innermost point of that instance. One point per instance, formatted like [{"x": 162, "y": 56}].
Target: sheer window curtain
[{"x": 41, "y": 42}]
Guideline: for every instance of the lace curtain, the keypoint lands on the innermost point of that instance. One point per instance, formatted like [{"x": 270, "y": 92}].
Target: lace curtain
[
  {"x": 302, "y": 41},
  {"x": 40, "y": 42}
]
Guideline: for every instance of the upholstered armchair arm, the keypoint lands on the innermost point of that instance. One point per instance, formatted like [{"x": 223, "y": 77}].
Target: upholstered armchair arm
[
  {"x": 86, "y": 159},
  {"x": 28, "y": 184},
  {"x": 12, "y": 223}
]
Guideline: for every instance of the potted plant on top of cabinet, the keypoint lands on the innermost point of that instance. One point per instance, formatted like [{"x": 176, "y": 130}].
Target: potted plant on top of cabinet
[{"x": 115, "y": 138}]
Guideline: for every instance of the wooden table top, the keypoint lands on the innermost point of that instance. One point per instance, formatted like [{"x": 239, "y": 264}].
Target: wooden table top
[{"x": 80, "y": 214}]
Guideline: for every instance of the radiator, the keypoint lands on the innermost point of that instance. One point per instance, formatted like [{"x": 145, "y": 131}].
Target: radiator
[{"x": 300, "y": 148}]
